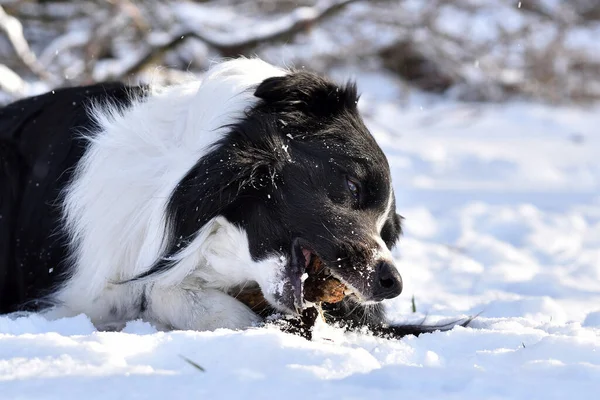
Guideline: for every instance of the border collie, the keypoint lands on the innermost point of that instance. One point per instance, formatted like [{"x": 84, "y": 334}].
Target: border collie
[{"x": 148, "y": 202}]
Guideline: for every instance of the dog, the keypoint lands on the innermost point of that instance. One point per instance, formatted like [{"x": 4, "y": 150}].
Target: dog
[{"x": 127, "y": 202}]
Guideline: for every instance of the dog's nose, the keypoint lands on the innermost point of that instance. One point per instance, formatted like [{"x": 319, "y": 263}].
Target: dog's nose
[{"x": 388, "y": 283}]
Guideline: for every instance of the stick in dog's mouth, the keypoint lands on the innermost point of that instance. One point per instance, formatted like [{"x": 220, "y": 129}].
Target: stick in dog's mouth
[{"x": 320, "y": 285}]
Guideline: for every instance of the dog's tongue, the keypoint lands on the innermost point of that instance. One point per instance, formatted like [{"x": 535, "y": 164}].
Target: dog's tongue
[{"x": 307, "y": 254}]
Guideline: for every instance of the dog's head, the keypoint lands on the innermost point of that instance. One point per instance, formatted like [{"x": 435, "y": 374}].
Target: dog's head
[
  {"x": 302, "y": 176},
  {"x": 319, "y": 186}
]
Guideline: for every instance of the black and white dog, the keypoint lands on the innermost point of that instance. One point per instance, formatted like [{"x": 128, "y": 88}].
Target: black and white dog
[{"x": 143, "y": 202}]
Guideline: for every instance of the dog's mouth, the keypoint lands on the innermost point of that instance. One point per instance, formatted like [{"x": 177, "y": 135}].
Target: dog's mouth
[
  {"x": 319, "y": 283},
  {"x": 307, "y": 282}
]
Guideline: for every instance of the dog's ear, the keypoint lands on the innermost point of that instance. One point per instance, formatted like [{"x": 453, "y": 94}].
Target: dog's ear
[{"x": 308, "y": 93}]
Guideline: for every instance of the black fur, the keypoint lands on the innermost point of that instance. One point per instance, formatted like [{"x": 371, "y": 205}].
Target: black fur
[{"x": 39, "y": 146}]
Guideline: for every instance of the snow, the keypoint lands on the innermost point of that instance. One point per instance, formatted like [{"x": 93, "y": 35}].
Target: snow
[
  {"x": 10, "y": 82},
  {"x": 502, "y": 219}
]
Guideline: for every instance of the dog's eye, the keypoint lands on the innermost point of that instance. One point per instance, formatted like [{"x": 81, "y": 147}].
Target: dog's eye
[{"x": 353, "y": 188}]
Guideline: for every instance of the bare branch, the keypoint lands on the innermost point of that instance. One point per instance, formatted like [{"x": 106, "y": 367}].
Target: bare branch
[
  {"x": 11, "y": 82},
  {"x": 14, "y": 31},
  {"x": 300, "y": 20}
]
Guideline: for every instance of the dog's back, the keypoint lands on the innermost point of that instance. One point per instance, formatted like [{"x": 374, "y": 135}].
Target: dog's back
[{"x": 39, "y": 146}]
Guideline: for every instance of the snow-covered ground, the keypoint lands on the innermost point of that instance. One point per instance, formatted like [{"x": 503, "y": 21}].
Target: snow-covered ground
[{"x": 502, "y": 208}]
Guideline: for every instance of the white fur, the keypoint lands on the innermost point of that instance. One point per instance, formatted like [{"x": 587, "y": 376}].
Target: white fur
[
  {"x": 115, "y": 208},
  {"x": 382, "y": 252}
]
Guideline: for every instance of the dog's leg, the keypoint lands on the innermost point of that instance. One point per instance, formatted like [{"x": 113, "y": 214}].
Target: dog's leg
[
  {"x": 355, "y": 316},
  {"x": 196, "y": 309}
]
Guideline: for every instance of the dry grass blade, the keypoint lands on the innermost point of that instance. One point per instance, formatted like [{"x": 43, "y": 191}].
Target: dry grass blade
[{"x": 193, "y": 364}]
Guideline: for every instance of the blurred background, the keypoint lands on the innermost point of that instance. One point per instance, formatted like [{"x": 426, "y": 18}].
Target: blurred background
[
  {"x": 471, "y": 50},
  {"x": 486, "y": 109}
]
